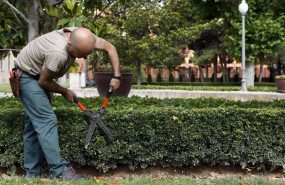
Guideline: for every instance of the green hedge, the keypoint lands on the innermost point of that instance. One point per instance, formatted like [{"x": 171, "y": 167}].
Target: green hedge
[
  {"x": 135, "y": 102},
  {"x": 159, "y": 136}
]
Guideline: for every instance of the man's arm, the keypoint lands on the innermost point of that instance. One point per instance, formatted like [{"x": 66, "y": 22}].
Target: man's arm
[
  {"x": 103, "y": 45},
  {"x": 46, "y": 81}
]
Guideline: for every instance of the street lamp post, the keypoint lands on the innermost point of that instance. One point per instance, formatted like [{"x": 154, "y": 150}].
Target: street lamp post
[{"x": 243, "y": 8}]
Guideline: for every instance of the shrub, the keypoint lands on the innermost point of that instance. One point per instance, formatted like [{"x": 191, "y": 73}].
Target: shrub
[
  {"x": 180, "y": 78},
  {"x": 149, "y": 78},
  {"x": 236, "y": 77},
  {"x": 159, "y": 78},
  {"x": 192, "y": 77},
  {"x": 171, "y": 77}
]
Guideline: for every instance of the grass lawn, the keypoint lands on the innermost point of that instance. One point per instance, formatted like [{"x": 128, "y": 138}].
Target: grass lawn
[
  {"x": 143, "y": 181},
  {"x": 187, "y": 86},
  {"x": 205, "y": 88},
  {"x": 5, "y": 88}
]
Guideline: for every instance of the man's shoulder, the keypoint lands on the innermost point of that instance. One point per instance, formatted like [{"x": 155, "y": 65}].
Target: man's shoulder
[{"x": 59, "y": 54}]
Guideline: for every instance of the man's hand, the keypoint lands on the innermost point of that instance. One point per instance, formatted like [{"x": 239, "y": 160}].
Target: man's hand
[
  {"x": 114, "y": 84},
  {"x": 68, "y": 95},
  {"x": 46, "y": 81}
]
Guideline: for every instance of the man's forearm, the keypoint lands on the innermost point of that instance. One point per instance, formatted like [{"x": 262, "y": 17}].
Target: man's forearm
[
  {"x": 52, "y": 87},
  {"x": 114, "y": 58}
]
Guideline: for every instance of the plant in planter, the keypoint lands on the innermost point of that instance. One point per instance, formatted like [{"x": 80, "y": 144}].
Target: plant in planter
[
  {"x": 280, "y": 83},
  {"x": 74, "y": 67},
  {"x": 104, "y": 73}
]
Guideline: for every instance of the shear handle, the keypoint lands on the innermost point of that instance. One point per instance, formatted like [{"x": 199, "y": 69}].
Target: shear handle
[
  {"x": 78, "y": 103},
  {"x": 107, "y": 99}
]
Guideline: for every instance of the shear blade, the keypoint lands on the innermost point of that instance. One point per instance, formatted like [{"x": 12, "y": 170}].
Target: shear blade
[
  {"x": 90, "y": 133},
  {"x": 105, "y": 130}
]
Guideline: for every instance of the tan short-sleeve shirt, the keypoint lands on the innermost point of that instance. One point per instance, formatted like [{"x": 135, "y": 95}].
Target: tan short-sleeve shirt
[{"x": 50, "y": 50}]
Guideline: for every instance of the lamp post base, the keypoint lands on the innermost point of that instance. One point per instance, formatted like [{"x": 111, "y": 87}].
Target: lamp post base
[{"x": 243, "y": 85}]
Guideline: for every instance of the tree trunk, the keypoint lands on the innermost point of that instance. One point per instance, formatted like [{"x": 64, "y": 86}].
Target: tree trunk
[
  {"x": 279, "y": 66},
  {"x": 215, "y": 68},
  {"x": 34, "y": 19},
  {"x": 139, "y": 79},
  {"x": 222, "y": 59},
  {"x": 226, "y": 70},
  {"x": 201, "y": 74},
  {"x": 249, "y": 73},
  {"x": 260, "y": 73}
]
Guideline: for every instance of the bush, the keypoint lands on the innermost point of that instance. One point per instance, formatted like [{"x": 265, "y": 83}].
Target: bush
[
  {"x": 236, "y": 77},
  {"x": 159, "y": 78},
  {"x": 192, "y": 77},
  {"x": 171, "y": 77},
  {"x": 180, "y": 78},
  {"x": 149, "y": 78},
  {"x": 154, "y": 132}
]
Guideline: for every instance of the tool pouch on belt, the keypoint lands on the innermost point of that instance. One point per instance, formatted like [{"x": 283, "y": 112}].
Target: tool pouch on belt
[{"x": 14, "y": 81}]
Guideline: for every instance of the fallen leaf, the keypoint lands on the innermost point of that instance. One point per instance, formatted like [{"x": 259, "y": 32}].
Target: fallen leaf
[
  {"x": 115, "y": 183},
  {"x": 275, "y": 175},
  {"x": 4, "y": 176},
  {"x": 247, "y": 169},
  {"x": 241, "y": 175},
  {"x": 154, "y": 176},
  {"x": 118, "y": 176},
  {"x": 101, "y": 178},
  {"x": 46, "y": 180}
]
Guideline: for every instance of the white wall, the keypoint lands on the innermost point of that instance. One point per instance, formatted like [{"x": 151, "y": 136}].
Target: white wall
[{"x": 6, "y": 65}]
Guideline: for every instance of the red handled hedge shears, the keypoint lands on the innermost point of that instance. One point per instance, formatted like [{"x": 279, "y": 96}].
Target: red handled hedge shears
[{"x": 96, "y": 119}]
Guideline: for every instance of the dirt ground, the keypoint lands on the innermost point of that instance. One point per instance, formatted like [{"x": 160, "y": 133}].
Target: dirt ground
[{"x": 199, "y": 172}]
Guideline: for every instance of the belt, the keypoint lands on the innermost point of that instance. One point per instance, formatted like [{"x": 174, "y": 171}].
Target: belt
[{"x": 36, "y": 77}]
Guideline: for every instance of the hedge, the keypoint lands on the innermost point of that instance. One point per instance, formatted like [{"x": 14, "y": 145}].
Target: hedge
[{"x": 160, "y": 136}]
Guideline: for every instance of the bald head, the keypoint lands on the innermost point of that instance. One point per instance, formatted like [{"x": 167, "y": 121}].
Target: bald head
[{"x": 81, "y": 43}]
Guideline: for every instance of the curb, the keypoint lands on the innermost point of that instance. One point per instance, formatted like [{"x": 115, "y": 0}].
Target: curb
[{"x": 161, "y": 94}]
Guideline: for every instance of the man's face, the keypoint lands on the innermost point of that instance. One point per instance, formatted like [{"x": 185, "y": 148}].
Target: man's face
[{"x": 77, "y": 52}]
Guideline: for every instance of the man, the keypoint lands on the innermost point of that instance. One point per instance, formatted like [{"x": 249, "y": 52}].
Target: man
[{"x": 48, "y": 57}]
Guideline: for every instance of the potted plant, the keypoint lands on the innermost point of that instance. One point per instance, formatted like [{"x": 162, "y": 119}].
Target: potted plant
[
  {"x": 280, "y": 83},
  {"x": 104, "y": 73},
  {"x": 74, "y": 67}
]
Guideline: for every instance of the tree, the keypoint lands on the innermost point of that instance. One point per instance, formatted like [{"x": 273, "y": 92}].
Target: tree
[
  {"x": 27, "y": 19},
  {"x": 260, "y": 38},
  {"x": 135, "y": 36},
  {"x": 264, "y": 30}
]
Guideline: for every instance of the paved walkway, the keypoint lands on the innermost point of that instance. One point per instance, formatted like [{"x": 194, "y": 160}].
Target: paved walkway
[
  {"x": 161, "y": 94},
  {"x": 230, "y": 95}
]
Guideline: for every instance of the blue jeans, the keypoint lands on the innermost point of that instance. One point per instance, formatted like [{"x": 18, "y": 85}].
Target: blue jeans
[{"x": 40, "y": 131}]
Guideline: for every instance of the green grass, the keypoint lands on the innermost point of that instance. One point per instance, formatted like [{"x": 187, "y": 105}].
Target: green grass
[
  {"x": 144, "y": 181},
  {"x": 5, "y": 88},
  {"x": 267, "y": 87},
  {"x": 205, "y": 88}
]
